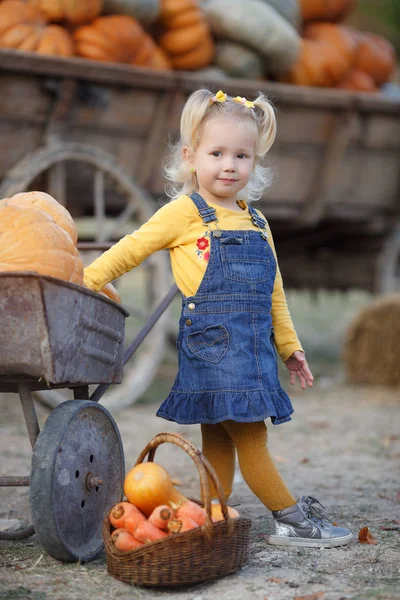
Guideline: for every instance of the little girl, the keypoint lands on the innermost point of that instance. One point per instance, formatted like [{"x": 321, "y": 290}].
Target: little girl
[{"x": 234, "y": 311}]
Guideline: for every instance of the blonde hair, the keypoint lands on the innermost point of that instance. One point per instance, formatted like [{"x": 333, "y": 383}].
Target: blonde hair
[{"x": 199, "y": 108}]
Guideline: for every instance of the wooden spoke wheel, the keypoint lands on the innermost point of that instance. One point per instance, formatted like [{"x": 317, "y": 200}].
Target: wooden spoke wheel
[
  {"x": 118, "y": 206},
  {"x": 77, "y": 476}
]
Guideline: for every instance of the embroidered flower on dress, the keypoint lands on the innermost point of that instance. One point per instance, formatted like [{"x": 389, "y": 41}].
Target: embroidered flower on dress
[{"x": 202, "y": 243}]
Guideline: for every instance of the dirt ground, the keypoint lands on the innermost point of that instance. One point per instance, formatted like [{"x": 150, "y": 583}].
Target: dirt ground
[{"x": 342, "y": 446}]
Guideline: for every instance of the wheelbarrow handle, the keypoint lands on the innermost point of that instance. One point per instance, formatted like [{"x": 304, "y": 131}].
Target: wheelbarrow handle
[{"x": 134, "y": 345}]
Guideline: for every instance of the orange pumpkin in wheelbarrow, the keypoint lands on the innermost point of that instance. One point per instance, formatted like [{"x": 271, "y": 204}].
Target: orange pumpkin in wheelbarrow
[{"x": 43, "y": 249}]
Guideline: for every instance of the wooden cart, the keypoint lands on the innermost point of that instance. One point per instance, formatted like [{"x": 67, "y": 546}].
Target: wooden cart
[{"x": 94, "y": 136}]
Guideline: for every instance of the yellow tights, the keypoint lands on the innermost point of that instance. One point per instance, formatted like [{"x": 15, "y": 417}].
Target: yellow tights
[{"x": 255, "y": 462}]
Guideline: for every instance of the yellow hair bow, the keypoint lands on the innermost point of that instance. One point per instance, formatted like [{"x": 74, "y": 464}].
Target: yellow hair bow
[
  {"x": 219, "y": 97},
  {"x": 244, "y": 101}
]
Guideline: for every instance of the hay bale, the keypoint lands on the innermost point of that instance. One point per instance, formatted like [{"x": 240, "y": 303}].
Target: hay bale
[{"x": 372, "y": 346}]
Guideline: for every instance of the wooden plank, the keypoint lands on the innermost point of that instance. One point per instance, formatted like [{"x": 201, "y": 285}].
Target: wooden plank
[
  {"x": 86, "y": 70},
  {"x": 120, "y": 74},
  {"x": 292, "y": 174},
  {"x": 129, "y": 153},
  {"x": 327, "y": 172},
  {"x": 16, "y": 143},
  {"x": 368, "y": 178},
  {"x": 377, "y": 103},
  {"x": 277, "y": 92},
  {"x": 117, "y": 109},
  {"x": 153, "y": 147},
  {"x": 296, "y": 95},
  {"x": 381, "y": 131},
  {"x": 23, "y": 98},
  {"x": 300, "y": 125}
]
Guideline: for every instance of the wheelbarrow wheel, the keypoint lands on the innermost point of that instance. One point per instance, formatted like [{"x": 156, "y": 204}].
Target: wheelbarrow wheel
[
  {"x": 77, "y": 476},
  {"x": 150, "y": 282}
]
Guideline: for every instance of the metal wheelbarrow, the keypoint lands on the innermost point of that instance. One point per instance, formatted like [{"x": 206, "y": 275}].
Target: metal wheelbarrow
[{"x": 53, "y": 335}]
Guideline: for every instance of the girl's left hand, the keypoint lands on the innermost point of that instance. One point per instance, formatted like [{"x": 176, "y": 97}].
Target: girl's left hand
[{"x": 297, "y": 365}]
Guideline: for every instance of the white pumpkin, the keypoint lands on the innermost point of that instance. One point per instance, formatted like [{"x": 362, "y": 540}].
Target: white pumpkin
[
  {"x": 257, "y": 25},
  {"x": 238, "y": 60},
  {"x": 145, "y": 11}
]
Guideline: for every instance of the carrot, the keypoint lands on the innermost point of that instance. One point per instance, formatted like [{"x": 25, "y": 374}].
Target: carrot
[
  {"x": 120, "y": 512},
  {"x": 193, "y": 511},
  {"x": 161, "y": 516},
  {"x": 133, "y": 520},
  {"x": 181, "y": 525},
  {"x": 124, "y": 541},
  {"x": 146, "y": 532}
]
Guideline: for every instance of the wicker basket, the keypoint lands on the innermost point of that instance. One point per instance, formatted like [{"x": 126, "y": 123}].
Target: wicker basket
[{"x": 204, "y": 553}]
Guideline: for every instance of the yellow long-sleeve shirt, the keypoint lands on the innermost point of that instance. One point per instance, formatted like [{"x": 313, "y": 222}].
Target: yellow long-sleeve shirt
[{"x": 178, "y": 227}]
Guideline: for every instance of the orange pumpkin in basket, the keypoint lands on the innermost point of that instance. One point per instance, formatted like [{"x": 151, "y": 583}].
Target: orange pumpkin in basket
[
  {"x": 118, "y": 38},
  {"x": 24, "y": 28},
  {"x": 186, "y": 36},
  {"x": 149, "y": 485},
  {"x": 72, "y": 11},
  {"x": 30, "y": 240},
  {"x": 325, "y": 10}
]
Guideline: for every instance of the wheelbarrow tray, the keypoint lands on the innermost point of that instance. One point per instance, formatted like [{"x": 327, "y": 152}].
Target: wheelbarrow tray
[{"x": 57, "y": 334}]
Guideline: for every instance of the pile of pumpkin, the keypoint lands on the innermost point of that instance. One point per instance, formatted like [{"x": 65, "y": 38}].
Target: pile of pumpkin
[
  {"x": 155, "y": 509},
  {"x": 302, "y": 42},
  {"x": 295, "y": 41},
  {"x": 67, "y": 28},
  {"x": 37, "y": 234}
]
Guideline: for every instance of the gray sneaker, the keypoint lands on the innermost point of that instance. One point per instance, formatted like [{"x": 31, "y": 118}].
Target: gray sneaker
[{"x": 304, "y": 524}]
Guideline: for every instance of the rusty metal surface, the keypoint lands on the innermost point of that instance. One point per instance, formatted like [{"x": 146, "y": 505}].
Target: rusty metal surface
[
  {"x": 56, "y": 333},
  {"x": 21, "y": 534},
  {"x": 14, "y": 480},
  {"x": 28, "y": 408}
]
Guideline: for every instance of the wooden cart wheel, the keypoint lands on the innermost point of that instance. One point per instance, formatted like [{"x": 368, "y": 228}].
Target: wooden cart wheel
[
  {"x": 77, "y": 476},
  {"x": 389, "y": 264},
  {"x": 151, "y": 281}
]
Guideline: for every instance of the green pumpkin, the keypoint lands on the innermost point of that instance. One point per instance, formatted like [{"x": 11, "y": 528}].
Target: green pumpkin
[
  {"x": 238, "y": 60},
  {"x": 257, "y": 25}
]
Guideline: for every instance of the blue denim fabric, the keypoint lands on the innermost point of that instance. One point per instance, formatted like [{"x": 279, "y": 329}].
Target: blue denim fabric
[{"x": 227, "y": 359}]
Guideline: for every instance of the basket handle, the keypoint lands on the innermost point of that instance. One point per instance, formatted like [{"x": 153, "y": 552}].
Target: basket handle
[{"x": 204, "y": 468}]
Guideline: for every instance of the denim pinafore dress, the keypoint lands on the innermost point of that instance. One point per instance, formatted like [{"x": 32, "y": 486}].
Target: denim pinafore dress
[{"x": 226, "y": 352}]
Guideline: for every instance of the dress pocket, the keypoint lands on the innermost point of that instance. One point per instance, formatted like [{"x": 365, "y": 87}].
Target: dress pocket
[
  {"x": 246, "y": 263},
  {"x": 210, "y": 344}
]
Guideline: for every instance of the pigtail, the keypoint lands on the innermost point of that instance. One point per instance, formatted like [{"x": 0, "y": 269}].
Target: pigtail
[
  {"x": 176, "y": 169},
  {"x": 193, "y": 114},
  {"x": 266, "y": 124}
]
